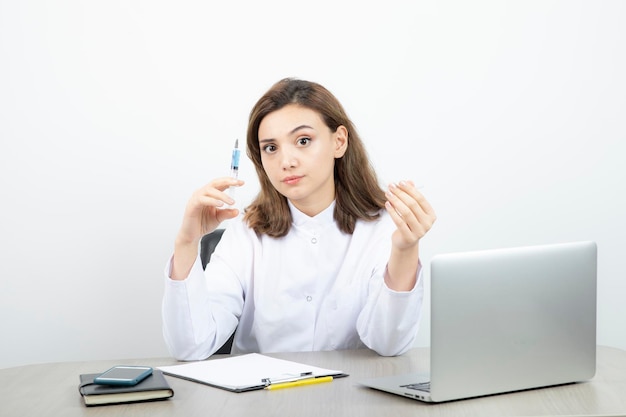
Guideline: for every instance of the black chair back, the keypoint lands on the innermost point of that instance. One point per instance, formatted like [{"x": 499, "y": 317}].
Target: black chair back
[{"x": 207, "y": 246}]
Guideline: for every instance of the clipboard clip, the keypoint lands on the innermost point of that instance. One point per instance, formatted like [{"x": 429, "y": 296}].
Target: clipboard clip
[{"x": 287, "y": 378}]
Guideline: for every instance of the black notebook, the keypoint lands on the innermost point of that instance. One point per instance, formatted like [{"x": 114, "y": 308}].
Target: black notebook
[{"x": 154, "y": 387}]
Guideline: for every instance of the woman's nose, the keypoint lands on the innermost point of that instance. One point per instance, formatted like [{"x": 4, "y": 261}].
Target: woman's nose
[{"x": 288, "y": 160}]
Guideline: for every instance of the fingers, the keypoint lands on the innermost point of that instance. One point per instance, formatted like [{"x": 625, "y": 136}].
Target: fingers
[
  {"x": 207, "y": 208},
  {"x": 411, "y": 212},
  {"x": 225, "y": 182},
  {"x": 225, "y": 214},
  {"x": 214, "y": 193}
]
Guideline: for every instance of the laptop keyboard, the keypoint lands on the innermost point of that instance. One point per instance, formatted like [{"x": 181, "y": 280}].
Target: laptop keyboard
[{"x": 420, "y": 386}]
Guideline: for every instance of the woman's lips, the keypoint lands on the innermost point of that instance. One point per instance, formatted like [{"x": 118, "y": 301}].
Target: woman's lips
[{"x": 292, "y": 180}]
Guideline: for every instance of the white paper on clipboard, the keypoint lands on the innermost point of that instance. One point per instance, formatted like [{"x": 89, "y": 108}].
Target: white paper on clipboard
[{"x": 245, "y": 372}]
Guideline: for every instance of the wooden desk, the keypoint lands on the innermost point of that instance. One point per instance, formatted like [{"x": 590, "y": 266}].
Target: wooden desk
[{"x": 51, "y": 390}]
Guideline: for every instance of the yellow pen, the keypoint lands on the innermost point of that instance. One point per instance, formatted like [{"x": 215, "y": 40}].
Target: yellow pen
[{"x": 308, "y": 381}]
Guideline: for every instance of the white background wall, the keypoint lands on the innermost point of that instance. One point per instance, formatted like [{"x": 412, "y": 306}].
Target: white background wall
[{"x": 512, "y": 114}]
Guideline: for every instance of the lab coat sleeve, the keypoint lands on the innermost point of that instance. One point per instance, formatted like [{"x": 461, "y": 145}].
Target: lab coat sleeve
[
  {"x": 201, "y": 312},
  {"x": 390, "y": 320}
]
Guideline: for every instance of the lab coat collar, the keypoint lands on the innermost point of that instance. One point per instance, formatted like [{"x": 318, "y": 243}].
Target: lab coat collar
[{"x": 326, "y": 216}]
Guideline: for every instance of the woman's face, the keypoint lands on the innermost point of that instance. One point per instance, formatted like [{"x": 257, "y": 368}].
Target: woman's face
[{"x": 298, "y": 153}]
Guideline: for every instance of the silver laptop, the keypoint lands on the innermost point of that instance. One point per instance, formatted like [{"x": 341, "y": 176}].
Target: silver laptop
[{"x": 506, "y": 320}]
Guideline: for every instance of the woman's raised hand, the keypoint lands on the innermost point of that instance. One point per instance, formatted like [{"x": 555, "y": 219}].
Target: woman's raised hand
[
  {"x": 206, "y": 209},
  {"x": 411, "y": 213}
]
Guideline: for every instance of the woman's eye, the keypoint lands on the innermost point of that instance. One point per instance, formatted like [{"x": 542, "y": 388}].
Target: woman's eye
[
  {"x": 269, "y": 148},
  {"x": 304, "y": 141}
]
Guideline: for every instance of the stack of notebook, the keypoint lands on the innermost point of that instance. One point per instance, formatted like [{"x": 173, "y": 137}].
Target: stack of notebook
[{"x": 154, "y": 387}]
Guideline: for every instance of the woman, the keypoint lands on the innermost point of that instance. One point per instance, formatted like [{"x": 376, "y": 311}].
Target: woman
[{"x": 322, "y": 259}]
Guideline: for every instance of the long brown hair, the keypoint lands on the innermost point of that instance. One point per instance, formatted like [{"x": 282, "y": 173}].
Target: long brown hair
[{"x": 357, "y": 192}]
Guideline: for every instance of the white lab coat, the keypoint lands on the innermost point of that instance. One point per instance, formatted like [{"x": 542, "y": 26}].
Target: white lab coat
[{"x": 314, "y": 289}]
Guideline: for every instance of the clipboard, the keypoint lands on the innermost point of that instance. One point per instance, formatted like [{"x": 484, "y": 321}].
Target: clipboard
[{"x": 249, "y": 372}]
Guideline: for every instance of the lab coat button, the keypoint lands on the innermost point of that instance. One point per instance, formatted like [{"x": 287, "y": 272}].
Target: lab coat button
[
  {"x": 309, "y": 298},
  {"x": 314, "y": 240}
]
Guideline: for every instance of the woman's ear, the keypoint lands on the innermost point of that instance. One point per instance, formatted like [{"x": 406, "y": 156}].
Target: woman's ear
[{"x": 341, "y": 141}]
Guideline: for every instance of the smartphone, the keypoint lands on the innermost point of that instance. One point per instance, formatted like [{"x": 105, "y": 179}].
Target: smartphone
[{"x": 125, "y": 375}]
